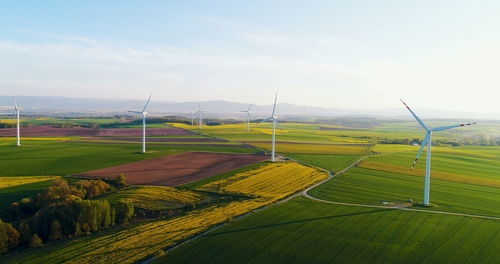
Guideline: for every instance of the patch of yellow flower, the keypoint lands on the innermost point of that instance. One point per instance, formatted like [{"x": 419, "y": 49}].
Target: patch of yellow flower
[
  {"x": 273, "y": 181},
  {"x": 8, "y": 121},
  {"x": 6, "y": 182}
]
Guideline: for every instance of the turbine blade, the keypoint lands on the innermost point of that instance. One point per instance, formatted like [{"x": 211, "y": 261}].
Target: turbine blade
[
  {"x": 249, "y": 107},
  {"x": 15, "y": 103},
  {"x": 448, "y": 127},
  {"x": 274, "y": 106},
  {"x": 144, "y": 110},
  {"x": 415, "y": 116},
  {"x": 424, "y": 142}
]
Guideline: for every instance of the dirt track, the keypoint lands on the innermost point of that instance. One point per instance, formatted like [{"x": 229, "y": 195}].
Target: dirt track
[
  {"x": 47, "y": 131},
  {"x": 176, "y": 169}
]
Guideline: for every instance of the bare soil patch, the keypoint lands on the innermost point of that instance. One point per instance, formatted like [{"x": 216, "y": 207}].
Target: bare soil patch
[{"x": 176, "y": 169}]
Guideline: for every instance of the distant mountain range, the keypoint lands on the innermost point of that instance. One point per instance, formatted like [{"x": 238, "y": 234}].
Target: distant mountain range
[{"x": 47, "y": 105}]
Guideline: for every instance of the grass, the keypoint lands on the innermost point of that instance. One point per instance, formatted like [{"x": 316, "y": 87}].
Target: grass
[
  {"x": 57, "y": 158},
  {"x": 366, "y": 186},
  {"x": 458, "y": 166},
  {"x": 6, "y": 182},
  {"x": 333, "y": 162},
  {"x": 16, "y": 193},
  {"x": 317, "y": 149},
  {"x": 304, "y": 231},
  {"x": 157, "y": 198},
  {"x": 49, "y": 158}
]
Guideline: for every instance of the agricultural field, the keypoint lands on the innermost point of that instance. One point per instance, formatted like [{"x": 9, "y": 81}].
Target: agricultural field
[
  {"x": 6, "y": 182},
  {"x": 330, "y": 162},
  {"x": 305, "y": 231},
  {"x": 214, "y": 192},
  {"x": 158, "y": 198},
  {"x": 266, "y": 184},
  {"x": 15, "y": 188},
  {"x": 176, "y": 169}
]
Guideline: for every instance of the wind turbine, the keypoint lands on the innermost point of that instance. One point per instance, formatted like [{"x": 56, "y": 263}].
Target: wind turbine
[
  {"x": 144, "y": 114},
  {"x": 192, "y": 118},
  {"x": 274, "y": 119},
  {"x": 200, "y": 119},
  {"x": 248, "y": 117},
  {"x": 428, "y": 140},
  {"x": 18, "y": 127}
]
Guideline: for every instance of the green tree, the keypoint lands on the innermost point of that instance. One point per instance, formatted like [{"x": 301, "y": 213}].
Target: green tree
[
  {"x": 55, "y": 230},
  {"x": 121, "y": 180},
  {"x": 124, "y": 210},
  {"x": 24, "y": 232},
  {"x": 9, "y": 237},
  {"x": 35, "y": 241}
]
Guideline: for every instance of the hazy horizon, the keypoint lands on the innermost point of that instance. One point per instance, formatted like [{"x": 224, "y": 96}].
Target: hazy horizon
[{"x": 342, "y": 54}]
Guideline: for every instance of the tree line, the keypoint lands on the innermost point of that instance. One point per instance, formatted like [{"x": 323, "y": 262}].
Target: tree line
[{"x": 63, "y": 209}]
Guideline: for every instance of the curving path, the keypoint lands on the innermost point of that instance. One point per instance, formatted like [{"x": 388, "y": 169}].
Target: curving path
[{"x": 306, "y": 194}]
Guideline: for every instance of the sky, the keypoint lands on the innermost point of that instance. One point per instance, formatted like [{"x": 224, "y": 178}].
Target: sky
[{"x": 338, "y": 54}]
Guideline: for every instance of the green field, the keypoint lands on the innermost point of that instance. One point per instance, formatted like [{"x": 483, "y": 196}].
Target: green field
[
  {"x": 304, "y": 231},
  {"x": 333, "y": 163},
  {"x": 16, "y": 193},
  {"x": 59, "y": 158},
  {"x": 365, "y": 186},
  {"x": 465, "y": 179}
]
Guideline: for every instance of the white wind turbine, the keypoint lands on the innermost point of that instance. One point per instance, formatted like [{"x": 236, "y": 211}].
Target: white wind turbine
[
  {"x": 248, "y": 117},
  {"x": 144, "y": 114},
  {"x": 200, "y": 118},
  {"x": 428, "y": 140},
  {"x": 192, "y": 118},
  {"x": 18, "y": 127},
  {"x": 274, "y": 119}
]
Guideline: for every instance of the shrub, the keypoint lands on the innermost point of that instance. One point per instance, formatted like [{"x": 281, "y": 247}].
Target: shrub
[
  {"x": 35, "y": 241},
  {"x": 120, "y": 180},
  {"x": 123, "y": 210},
  {"x": 9, "y": 237},
  {"x": 24, "y": 232}
]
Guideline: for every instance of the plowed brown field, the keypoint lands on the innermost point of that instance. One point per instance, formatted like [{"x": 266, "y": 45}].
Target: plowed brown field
[{"x": 176, "y": 169}]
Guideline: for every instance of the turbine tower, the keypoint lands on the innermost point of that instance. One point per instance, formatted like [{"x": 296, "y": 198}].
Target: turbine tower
[
  {"x": 428, "y": 140},
  {"x": 192, "y": 118},
  {"x": 274, "y": 119},
  {"x": 248, "y": 117},
  {"x": 200, "y": 119},
  {"x": 144, "y": 114},
  {"x": 17, "y": 109}
]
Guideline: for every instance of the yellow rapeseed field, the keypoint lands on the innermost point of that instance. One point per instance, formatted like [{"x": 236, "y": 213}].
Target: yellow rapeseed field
[
  {"x": 274, "y": 181},
  {"x": 8, "y": 121},
  {"x": 15, "y": 181}
]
